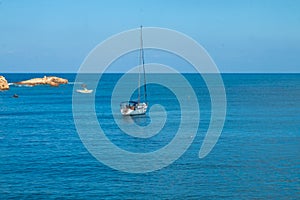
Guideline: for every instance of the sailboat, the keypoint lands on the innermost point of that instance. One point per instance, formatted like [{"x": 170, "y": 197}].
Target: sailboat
[{"x": 137, "y": 107}]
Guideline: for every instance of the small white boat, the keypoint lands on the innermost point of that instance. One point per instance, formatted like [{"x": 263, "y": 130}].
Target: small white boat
[
  {"x": 84, "y": 90},
  {"x": 137, "y": 107}
]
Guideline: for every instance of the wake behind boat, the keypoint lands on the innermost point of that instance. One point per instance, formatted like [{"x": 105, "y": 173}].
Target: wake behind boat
[{"x": 137, "y": 107}]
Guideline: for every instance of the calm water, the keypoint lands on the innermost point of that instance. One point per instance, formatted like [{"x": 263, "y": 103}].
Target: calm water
[{"x": 257, "y": 155}]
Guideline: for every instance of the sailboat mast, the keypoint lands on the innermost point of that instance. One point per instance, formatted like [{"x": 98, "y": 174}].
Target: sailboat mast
[
  {"x": 143, "y": 63},
  {"x": 140, "y": 63}
]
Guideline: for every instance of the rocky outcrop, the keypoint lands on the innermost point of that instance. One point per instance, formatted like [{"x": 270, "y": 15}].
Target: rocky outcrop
[
  {"x": 3, "y": 83},
  {"x": 50, "y": 80}
]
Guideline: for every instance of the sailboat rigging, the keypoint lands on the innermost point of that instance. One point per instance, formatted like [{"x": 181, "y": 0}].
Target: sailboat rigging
[{"x": 137, "y": 107}]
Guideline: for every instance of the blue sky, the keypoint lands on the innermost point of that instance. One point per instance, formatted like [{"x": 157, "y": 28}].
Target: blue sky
[{"x": 241, "y": 36}]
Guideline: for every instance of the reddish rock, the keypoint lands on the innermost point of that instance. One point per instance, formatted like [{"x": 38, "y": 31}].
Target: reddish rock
[
  {"x": 51, "y": 80},
  {"x": 3, "y": 83}
]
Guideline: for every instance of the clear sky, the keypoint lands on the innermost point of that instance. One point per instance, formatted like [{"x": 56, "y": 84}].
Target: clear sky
[{"x": 241, "y": 36}]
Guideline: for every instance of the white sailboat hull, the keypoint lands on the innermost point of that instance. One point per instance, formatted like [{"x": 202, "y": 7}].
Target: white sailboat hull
[{"x": 138, "y": 109}]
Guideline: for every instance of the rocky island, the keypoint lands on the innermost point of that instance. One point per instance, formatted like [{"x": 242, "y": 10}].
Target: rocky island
[
  {"x": 50, "y": 80},
  {"x": 3, "y": 83}
]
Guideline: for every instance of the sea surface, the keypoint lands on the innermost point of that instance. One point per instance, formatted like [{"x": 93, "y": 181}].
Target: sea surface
[{"x": 256, "y": 157}]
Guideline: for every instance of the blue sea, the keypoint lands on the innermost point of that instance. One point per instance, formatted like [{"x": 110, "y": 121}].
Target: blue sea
[{"x": 257, "y": 155}]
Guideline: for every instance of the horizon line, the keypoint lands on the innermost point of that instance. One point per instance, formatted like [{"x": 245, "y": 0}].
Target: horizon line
[{"x": 252, "y": 72}]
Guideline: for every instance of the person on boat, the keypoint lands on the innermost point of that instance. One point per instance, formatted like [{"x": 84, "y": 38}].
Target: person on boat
[{"x": 83, "y": 86}]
